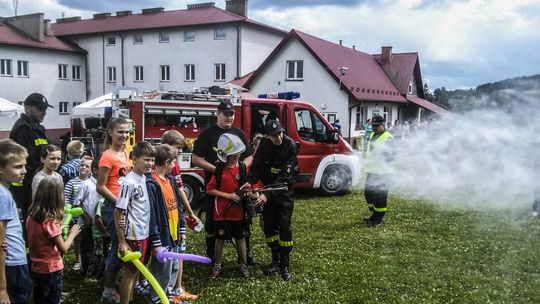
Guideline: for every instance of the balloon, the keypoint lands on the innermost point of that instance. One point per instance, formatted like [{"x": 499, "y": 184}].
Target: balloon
[
  {"x": 133, "y": 257},
  {"x": 163, "y": 255},
  {"x": 70, "y": 213}
]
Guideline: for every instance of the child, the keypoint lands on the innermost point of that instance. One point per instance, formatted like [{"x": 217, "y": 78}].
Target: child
[
  {"x": 170, "y": 220},
  {"x": 177, "y": 141},
  {"x": 83, "y": 242},
  {"x": 50, "y": 158},
  {"x": 15, "y": 281},
  {"x": 132, "y": 216},
  {"x": 70, "y": 169},
  {"x": 45, "y": 240},
  {"x": 228, "y": 210}
]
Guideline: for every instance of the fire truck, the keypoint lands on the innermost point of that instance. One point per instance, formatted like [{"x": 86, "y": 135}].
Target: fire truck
[{"x": 326, "y": 161}]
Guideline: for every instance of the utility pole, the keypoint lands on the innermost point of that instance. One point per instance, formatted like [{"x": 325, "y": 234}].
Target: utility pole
[{"x": 15, "y": 5}]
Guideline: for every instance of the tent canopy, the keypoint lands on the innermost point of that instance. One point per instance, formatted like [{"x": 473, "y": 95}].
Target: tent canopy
[
  {"x": 95, "y": 107},
  {"x": 9, "y": 109}
]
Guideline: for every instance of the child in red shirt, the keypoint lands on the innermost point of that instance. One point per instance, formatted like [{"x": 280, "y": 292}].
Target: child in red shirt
[{"x": 228, "y": 208}]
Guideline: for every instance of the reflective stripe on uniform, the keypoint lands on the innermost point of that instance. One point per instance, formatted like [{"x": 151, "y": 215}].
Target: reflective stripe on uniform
[
  {"x": 40, "y": 141},
  {"x": 272, "y": 238},
  {"x": 285, "y": 244},
  {"x": 379, "y": 209},
  {"x": 274, "y": 170}
]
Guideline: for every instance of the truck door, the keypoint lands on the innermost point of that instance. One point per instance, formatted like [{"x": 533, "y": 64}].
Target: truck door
[{"x": 309, "y": 130}]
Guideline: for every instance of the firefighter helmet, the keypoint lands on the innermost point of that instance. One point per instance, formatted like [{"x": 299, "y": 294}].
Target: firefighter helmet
[{"x": 229, "y": 144}]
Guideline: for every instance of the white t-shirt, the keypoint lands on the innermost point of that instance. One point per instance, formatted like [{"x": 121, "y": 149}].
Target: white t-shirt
[
  {"x": 88, "y": 197},
  {"x": 133, "y": 199},
  {"x": 42, "y": 175}
]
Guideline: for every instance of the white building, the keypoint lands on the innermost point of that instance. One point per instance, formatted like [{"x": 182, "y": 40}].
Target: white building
[
  {"x": 33, "y": 60},
  {"x": 179, "y": 50}
]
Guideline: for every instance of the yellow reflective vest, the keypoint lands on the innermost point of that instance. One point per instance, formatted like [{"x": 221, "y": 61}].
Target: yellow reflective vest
[{"x": 378, "y": 150}]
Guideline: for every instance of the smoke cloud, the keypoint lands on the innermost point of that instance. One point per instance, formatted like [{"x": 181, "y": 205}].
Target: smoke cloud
[{"x": 484, "y": 158}]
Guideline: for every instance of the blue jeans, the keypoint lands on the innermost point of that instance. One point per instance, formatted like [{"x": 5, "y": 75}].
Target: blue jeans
[
  {"x": 48, "y": 287},
  {"x": 19, "y": 283},
  {"x": 112, "y": 262}
]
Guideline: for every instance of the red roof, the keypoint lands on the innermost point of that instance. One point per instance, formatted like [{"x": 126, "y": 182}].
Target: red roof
[
  {"x": 427, "y": 105},
  {"x": 166, "y": 19},
  {"x": 242, "y": 80},
  {"x": 400, "y": 69},
  {"x": 365, "y": 79},
  {"x": 11, "y": 35}
]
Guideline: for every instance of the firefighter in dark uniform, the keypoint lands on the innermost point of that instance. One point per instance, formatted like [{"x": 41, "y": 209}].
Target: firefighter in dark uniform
[
  {"x": 275, "y": 162},
  {"x": 29, "y": 133},
  {"x": 379, "y": 157}
]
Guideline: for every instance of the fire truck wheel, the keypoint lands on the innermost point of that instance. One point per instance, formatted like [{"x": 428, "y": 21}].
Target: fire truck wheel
[
  {"x": 335, "y": 181},
  {"x": 192, "y": 190}
]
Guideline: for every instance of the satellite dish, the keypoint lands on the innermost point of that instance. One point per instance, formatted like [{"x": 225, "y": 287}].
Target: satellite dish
[{"x": 324, "y": 106}]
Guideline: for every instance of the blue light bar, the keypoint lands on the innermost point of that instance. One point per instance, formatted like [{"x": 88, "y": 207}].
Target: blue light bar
[{"x": 283, "y": 95}]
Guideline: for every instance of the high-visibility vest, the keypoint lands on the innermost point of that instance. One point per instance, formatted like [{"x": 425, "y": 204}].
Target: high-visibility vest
[{"x": 375, "y": 163}]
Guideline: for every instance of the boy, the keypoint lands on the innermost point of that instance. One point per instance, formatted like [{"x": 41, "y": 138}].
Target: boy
[
  {"x": 83, "y": 242},
  {"x": 15, "y": 281},
  {"x": 131, "y": 216},
  {"x": 228, "y": 210},
  {"x": 164, "y": 198},
  {"x": 70, "y": 169}
]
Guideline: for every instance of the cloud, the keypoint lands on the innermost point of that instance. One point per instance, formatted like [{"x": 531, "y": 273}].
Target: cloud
[{"x": 264, "y": 4}]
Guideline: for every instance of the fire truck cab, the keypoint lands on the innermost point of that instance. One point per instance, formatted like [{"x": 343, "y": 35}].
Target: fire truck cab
[{"x": 326, "y": 161}]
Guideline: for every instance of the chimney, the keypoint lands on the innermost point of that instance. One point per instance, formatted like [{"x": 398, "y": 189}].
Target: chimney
[
  {"x": 123, "y": 13},
  {"x": 201, "y": 5},
  {"x": 386, "y": 54},
  {"x": 48, "y": 30},
  {"x": 68, "y": 19},
  {"x": 32, "y": 25},
  {"x": 340, "y": 42},
  {"x": 102, "y": 15},
  {"x": 153, "y": 10},
  {"x": 239, "y": 7},
  {"x": 354, "y": 47}
]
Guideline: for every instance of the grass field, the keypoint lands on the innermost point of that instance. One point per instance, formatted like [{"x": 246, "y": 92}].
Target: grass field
[{"x": 423, "y": 254}]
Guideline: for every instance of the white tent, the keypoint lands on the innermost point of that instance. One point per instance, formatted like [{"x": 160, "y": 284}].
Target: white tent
[
  {"x": 9, "y": 109},
  {"x": 94, "y": 107}
]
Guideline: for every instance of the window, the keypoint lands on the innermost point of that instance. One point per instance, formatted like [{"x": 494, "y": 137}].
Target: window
[
  {"x": 164, "y": 37},
  {"x": 295, "y": 70},
  {"x": 22, "y": 68},
  {"x": 21, "y": 103},
  {"x": 190, "y": 72},
  {"x": 310, "y": 126},
  {"x": 139, "y": 73},
  {"x": 76, "y": 72},
  {"x": 220, "y": 33},
  {"x": 62, "y": 71},
  {"x": 137, "y": 39},
  {"x": 76, "y": 103},
  {"x": 410, "y": 88},
  {"x": 189, "y": 36},
  {"x": 220, "y": 72},
  {"x": 63, "y": 108},
  {"x": 5, "y": 67},
  {"x": 165, "y": 73},
  {"x": 111, "y": 74},
  {"x": 111, "y": 41}
]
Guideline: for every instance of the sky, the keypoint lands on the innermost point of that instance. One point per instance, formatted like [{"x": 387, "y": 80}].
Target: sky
[{"x": 461, "y": 43}]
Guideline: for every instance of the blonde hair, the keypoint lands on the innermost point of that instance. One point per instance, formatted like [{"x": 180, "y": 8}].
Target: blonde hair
[
  {"x": 165, "y": 152},
  {"x": 75, "y": 148},
  {"x": 48, "y": 202},
  {"x": 87, "y": 157},
  {"x": 11, "y": 151},
  {"x": 173, "y": 137}
]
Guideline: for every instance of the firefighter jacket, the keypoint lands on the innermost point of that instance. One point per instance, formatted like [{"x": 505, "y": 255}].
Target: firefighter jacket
[
  {"x": 30, "y": 135},
  {"x": 380, "y": 154},
  {"x": 275, "y": 164}
]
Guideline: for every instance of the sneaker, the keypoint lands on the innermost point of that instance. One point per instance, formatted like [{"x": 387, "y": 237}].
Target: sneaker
[
  {"x": 185, "y": 296},
  {"x": 142, "y": 290},
  {"x": 77, "y": 266},
  {"x": 217, "y": 272},
  {"x": 111, "y": 298},
  {"x": 245, "y": 271}
]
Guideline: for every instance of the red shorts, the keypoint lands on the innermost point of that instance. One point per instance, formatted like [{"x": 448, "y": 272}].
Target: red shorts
[{"x": 141, "y": 246}]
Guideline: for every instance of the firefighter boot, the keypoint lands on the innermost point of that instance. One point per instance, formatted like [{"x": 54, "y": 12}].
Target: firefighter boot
[
  {"x": 210, "y": 247},
  {"x": 274, "y": 266},
  {"x": 284, "y": 267}
]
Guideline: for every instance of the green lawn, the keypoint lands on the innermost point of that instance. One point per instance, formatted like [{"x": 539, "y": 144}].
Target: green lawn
[{"x": 423, "y": 254}]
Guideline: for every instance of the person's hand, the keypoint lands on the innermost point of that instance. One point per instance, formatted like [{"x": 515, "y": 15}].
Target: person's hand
[
  {"x": 197, "y": 220},
  {"x": 246, "y": 186},
  {"x": 75, "y": 229},
  {"x": 5, "y": 247},
  {"x": 234, "y": 197},
  {"x": 182, "y": 238},
  {"x": 261, "y": 200},
  {"x": 123, "y": 247},
  {"x": 4, "y": 297},
  {"x": 254, "y": 195}
]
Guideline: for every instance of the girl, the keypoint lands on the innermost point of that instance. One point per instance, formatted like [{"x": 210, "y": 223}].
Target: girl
[
  {"x": 113, "y": 165},
  {"x": 44, "y": 230},
  {"x": 51, "y": 156}
]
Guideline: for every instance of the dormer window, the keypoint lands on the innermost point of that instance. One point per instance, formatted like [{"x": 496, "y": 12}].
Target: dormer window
[{"x": 410, "y": 88}]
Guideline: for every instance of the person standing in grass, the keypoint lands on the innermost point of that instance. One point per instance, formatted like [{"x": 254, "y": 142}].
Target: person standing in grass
[
  {"x": 51, "y": 156},
  {"x": 70, "y": 169},
  {"x": 379, "y": 158},
  {"x": 15, "y": 281}
]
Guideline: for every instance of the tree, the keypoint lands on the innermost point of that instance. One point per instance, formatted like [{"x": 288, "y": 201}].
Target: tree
[
  {"x": 427, "y": 93},
  {"x": 441, "y": 98}
]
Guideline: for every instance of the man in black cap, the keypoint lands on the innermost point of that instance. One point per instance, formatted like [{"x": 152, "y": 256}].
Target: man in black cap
[
  {"x": 205, "y": 157},
  {"x": 29, "y": 133},
  {"x": 379, "y": 157},
  {"x": 275, "y": 162}
]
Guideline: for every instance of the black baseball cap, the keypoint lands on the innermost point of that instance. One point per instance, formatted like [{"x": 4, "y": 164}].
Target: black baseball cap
[
  {"x": 377, "y": 120},
  {"x": 38, "y": 100},
  {"x": 226, "y": 106},
  {"x": 272, "y": 128}
]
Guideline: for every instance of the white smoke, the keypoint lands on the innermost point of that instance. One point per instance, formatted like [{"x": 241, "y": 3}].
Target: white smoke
[{"x": 483, "y": 158}]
